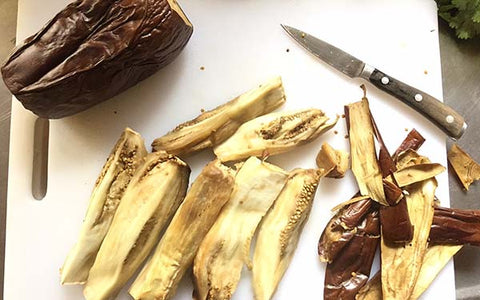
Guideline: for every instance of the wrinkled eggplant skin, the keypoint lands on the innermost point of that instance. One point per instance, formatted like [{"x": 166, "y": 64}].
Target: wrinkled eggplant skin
[
  {"x": 414, "y": 141},
  {"x": 349, "y": 272},
  {"x": 343, "y": 224},
  {"x": 91, "y": 51},
  {"x": 396, "y": 225},
  {"x": 455, "y": 227}
]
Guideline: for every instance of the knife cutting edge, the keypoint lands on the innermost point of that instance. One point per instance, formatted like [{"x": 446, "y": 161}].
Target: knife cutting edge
[
  {"x": 443, "y": 116},
  {"x": 40, "y": 158}
]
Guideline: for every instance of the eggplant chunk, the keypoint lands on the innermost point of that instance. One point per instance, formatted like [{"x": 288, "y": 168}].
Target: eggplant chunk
[
  {"x": 151, "y": 199},
  {"x": 335, "y": 162},
  {"x": 176, "y": 250},
  {"x": 280, "y": 231},
  {"x": 274, "y": 133},
  {"x": 213, "y": 127},
  {"x": 125, "y": 158},
  {"x": 93, "y": 50},
  {"x": 226, "y": 248}
]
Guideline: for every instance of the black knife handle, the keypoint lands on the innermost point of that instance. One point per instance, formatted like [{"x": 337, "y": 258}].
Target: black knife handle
[{"x": 440, "y": 114}]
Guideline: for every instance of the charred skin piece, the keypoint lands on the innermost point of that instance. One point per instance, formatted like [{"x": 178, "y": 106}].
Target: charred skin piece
[
  {"x": 125, "y": 158},
  {"x": 455, "y": 227},
  {"x": 280, "y": 231},
  {"x": 151, "y": 199},
  {"x": 274, "y": 133},
  {"x": 93, "y": 50},
  {"x": 350, "y": 270},
  {"x": 226, "y": 248},
  {"x": 414, "y": 141},
  {"x": 342, "y": 228},
  {"x": 176, "y": 250},
  {"x": 213, "y": 127}
]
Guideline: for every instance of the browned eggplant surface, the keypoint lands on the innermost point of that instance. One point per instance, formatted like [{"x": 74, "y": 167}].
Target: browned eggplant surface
[{"x": 93, "y": 50}]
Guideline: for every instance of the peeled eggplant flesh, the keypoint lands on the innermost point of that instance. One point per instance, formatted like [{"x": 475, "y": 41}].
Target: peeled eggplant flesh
[
  {"x": 274, "y": 133},
  {"x": 226, "y": 248},
  {"x": 151, "y": 199},
  {"x": 213, "y": 127},
  {"x": 93, "y": 50},
  {"x": 280, "y": 231},
  {"x": 176, "y": 250},
  {"x": 124, "y": 160}
]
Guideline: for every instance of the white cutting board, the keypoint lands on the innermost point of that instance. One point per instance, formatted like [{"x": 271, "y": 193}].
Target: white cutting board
[{"x": 240, "y": 44}]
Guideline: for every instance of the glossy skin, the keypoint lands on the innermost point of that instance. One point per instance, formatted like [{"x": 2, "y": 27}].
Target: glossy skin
[{"x": 91, "y": 51}]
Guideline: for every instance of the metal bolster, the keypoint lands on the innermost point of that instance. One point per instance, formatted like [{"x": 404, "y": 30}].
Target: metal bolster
[{"x": 367, "y": 71}]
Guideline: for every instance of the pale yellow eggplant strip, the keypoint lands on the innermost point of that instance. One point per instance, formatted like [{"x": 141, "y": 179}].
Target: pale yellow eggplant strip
[
  {"x": 151, "y": 199},
  {"x": 213, "y": 127},
  {"x": 280, "y": 231},
  {"x": 177, "y": 248},
  {"x": 434, "y": 261},
  {"x": 125, "y": 158},
  {"x": 225, "y": 249},
  {"x": 417, "y": 173},
  {"x": 401, "y": 265},
  {"x": 362, "y": 152}
]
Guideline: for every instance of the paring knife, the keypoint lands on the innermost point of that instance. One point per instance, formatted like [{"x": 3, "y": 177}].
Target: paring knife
[{"x": 443, "y": 116}]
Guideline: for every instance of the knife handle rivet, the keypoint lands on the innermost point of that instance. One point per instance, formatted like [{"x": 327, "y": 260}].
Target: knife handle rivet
[
  {"x": 450, "y": 119},
  {"x": 418, "y": 97},
  {"x": 385, "y": 80}
]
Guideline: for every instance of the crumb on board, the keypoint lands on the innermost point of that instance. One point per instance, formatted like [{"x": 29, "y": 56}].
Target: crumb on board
[
  {"x": 406, "y": 129},
  {"x": 202, "y": 68},
  {"x": 202, "y": 110},
  {"x": 425, "y": 72},
  {"x": 288, "y": 50},
  {"x": 343, "y": 116},
  {"x": 336, "y": 132},
  {"x": 346, "y": 136}
]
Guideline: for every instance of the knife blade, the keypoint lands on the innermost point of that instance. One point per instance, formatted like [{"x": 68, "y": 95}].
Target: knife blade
[{"x": 443, "y": 116}]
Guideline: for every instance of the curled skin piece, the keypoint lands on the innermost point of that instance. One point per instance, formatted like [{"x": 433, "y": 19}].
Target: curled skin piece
[
  {"x": 176, "y": 250},
  {"x": 280, "y": 231},
  {"x": 151, "y": 199},
  {"x": 350, "y": 270},
  {"x": 125, "y": 158},
  {"x": 335, "y": 162},
  {"x": 213, "y": 127},
  {"x": 342, "y": 228},
  {"x": 274, "y": 133},
  {"x": 226, "y": 248}
]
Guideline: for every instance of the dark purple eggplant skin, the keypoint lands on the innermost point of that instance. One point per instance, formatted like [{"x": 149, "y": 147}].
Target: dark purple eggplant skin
[
  {"x": 91, "y": 51},
  {"x": 343, "y": 225},
  {"x": 349, "y": 272},
  {"x": 452, "y": 226}
]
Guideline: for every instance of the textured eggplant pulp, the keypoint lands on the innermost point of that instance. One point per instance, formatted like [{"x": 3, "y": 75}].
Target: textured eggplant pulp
[
  {"x": 125, "y": 158},
  {"x": 225, "y": 249},
  {"x": 93, "y": 50},
  {"x": 274, "y": 133},
  {"x": 176, "y": 250},
  {"x": 213, "y": 127},
  {"x": 280, "y": 231},
  {"x": 151, "y": 199}
]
